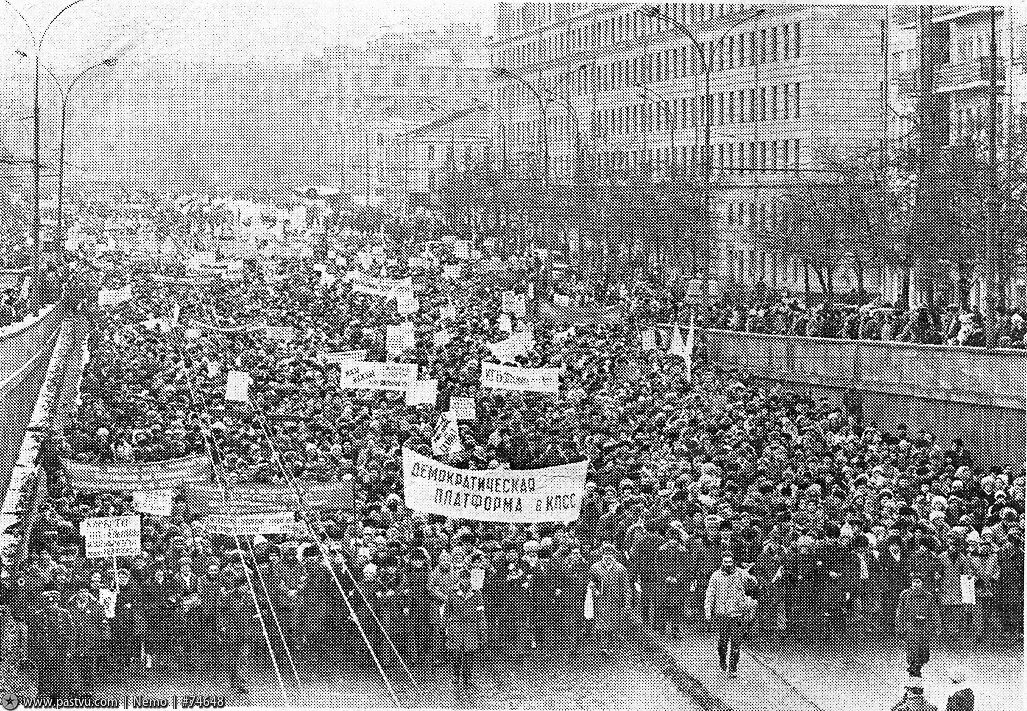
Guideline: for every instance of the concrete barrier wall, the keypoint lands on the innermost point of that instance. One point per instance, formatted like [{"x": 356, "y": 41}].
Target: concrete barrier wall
[
  {"x": 951, "y": 391},
  {"x": 25, "y": 352}
]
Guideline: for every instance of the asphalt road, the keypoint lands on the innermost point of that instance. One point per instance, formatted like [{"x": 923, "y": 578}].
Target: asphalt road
[{"x": 632, "y": 679}]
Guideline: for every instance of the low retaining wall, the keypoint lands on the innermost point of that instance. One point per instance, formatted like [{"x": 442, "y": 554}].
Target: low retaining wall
[{"x": 951, "y": 391}]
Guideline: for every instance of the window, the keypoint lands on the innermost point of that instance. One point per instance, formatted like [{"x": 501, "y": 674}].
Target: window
[
  {"x": 763, "y": 104},
  {"x": 786, "y": 94},
  {"x": 795, "y": 39},
  {"x": 763, "y": 46},
  {"x": 773, "y": 44},
  {"x": 786, "y": 45},
  {"x": 795, "y": 100}
]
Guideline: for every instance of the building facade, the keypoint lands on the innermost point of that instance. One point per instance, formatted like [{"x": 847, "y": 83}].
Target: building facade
[
  {"x": 785, "y": 85},
  {"x": 958, "y": 70},
  {"x": 397, "y": 83}
]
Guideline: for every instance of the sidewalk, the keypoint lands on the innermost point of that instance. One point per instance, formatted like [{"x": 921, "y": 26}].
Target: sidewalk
[{"x": 858, "y": 674}]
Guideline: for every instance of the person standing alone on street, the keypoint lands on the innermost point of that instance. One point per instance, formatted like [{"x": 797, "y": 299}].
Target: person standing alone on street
[
  {"x": 916, "y": 621},
  {"x": 727, "y": 606}
]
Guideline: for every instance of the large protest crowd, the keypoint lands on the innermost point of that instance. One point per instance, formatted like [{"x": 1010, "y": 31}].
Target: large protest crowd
[{"x": 691, "y": 471}]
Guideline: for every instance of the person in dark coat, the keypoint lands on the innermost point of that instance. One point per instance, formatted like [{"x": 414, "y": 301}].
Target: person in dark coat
[
  {"x": 645, "y": 571},
  {"x": 916, "y": 621},
  {"x": 188, "y": 619},
  {"x": 92, "y": 637},
  {"x": 232, "y": 625},
  {"x": 894, "y": 579},
  {"x": 463, "y": 616},
  {"x": 835, "y": 569},
  {"x": 51, "y": 633},
  {"x": 125, "y": 626},
  {"x": 802, "y": 589},
  {"x": 572, "y": 582},
  {"x": 417, "y": 606},
  {"x": 157, "y": 610},
  {"x": 672, "y": 564}
]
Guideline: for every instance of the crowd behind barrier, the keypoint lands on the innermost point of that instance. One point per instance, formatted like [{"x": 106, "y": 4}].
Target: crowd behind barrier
[{"x": 826, "y": 517}]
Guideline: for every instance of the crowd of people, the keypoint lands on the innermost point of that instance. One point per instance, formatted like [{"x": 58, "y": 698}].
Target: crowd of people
[
  {"x": 709, "y": 499},
  {"x": 875, "y": 319},
  {"x": 879, "y": 321}
]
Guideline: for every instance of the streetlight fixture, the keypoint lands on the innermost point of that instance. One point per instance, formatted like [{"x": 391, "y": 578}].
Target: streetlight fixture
[
  {"x": 543, "y": 134},
  {"x": 707, "y": 157},
  {"x": 668, "y": 118},
  {"x": 37, "y": 44},
  {"x": 65, "y": 97}
]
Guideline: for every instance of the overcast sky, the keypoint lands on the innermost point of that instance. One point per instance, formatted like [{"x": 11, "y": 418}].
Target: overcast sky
[{"x": 216, "y": 30}]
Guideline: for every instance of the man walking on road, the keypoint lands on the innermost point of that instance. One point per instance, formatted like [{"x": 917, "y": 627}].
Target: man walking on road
[{"x": 727, "y": 605}]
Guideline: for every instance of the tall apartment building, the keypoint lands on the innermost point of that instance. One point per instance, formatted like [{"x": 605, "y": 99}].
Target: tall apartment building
[
  {"x": 959, "y": 40},
  {"x": 788, "y": 83}
]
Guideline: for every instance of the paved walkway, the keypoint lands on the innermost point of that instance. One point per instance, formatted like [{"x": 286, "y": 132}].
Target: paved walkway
[{"x": 859, "y": 674}]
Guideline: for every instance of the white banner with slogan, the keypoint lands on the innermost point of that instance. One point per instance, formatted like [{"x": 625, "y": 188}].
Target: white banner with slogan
[
  {"x": 533, "y": 380},
  {"x": 251, "y": 524},
  {"x": 462, "y": 408},
  {"x": 399, "y": 338},
  {"x": 282, "y": 334},
  {"x": 503, "y": 495},
  {"x": 113, "y": 297},
  {"x": 111, "y": 536},
  {"x": 237, "y": 386},
  {"x": 155, "y": 503},
  {"x": 370, "y": 375},
  {"x": 423, "y": 392},
  {"x": 406, "y": 305}
]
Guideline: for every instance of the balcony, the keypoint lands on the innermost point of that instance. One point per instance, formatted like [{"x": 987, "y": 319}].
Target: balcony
[{"x": 967, "y": 75}]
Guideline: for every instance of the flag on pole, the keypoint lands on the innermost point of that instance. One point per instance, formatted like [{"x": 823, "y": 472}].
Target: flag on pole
[
  {"x": 677, "y": 343},
  {"x": 684, "y": 347}
]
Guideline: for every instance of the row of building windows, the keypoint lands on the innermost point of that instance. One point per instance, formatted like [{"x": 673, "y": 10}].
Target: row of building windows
[
  {"x": 769, "y": 103},
  {"x": 753, "y": 157},
  {"x": 775, "y": 44}
]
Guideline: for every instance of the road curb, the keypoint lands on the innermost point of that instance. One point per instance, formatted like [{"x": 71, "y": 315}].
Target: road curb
[{"x": 674, "y": 670}]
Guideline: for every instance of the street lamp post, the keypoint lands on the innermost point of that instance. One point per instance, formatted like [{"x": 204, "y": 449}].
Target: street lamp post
[
  {"x": 543, "y": 133},
  {"x": 37, "y": 44},
  {"x": 65, "y": 97},
  {"x": 707, "y": 155}
]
